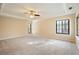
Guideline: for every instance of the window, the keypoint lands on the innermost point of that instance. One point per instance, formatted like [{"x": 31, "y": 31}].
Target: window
[
  {"x": 77, "y": 26},
  {"x": 29, "y": 28},
  {"x": 62, "y": 26}
]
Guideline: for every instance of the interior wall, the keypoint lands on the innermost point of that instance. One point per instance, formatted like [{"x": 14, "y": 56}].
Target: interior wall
[
  {"x": 47, "y": 28},
  {"x": 12, "y": 27}
]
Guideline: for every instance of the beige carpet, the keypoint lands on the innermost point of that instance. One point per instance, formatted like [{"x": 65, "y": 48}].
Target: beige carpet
[{"x": 36, "y": 46}]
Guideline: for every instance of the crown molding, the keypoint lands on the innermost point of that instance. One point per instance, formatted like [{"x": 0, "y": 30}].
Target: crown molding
[
  {"x": 13, "y": 16},
  {"x": 2, "y": 6}
]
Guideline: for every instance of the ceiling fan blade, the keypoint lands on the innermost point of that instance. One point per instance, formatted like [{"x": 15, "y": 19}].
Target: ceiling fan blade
[
  {"x": 36, "y": 14},
  {"x": 25, "y": 13},
  {"x": 32, "y": 12}
]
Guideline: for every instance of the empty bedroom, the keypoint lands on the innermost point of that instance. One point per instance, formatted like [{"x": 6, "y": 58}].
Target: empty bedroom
[{"x": 39, "y": 28}]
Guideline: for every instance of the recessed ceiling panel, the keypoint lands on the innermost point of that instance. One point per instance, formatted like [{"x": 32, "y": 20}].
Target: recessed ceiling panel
[{"x": 46, "y": 10}]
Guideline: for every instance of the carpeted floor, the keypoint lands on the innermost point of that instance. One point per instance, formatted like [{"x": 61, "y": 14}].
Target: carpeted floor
[{"x": 36, "y": 46}]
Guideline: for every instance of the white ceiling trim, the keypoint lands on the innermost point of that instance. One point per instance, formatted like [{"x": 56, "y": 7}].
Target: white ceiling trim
[
  {"x": 46, "y": 13},
  {"x": 2, "y": 6},
  {"x": 65, "y": 8},
  {"x": 8, "y": 15}
]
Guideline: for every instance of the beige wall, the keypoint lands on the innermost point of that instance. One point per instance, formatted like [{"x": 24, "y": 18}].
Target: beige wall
[
  {"x": 12, "y": 27},
  {"x": 47, "y": 28}
]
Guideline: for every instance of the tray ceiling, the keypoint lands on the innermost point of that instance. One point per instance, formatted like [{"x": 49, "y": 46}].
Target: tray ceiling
[{"x": 46, "y": 10}]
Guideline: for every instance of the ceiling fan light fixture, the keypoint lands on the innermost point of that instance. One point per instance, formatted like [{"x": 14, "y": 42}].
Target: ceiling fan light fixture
[{"x": 31, "y": 16}]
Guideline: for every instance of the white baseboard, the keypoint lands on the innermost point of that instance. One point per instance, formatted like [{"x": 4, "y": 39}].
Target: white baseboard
[{"x": 10, "y": 37}]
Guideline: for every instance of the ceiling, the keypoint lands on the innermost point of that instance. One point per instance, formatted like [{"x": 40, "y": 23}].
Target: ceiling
[{"x": 46, "y": 10}]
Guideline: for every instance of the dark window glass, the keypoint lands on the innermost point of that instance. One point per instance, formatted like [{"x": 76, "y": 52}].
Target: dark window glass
[
  {"x": 29, "y": 28},
  {"x": 77, "y": 26},
  {"x": 62, "y": 26}
]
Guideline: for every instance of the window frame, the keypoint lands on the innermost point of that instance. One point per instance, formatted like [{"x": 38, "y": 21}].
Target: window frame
[
  {"x": 77, "y": 20},
  {"x": 30, "y": 28},
  {"x": 62, "y": 26}
]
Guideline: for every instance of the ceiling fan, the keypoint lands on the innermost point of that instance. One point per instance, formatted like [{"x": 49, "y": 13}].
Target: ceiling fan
[{"x": 32, "y": 13}]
